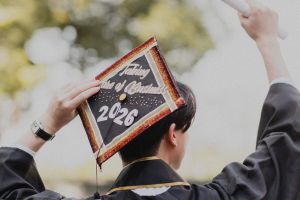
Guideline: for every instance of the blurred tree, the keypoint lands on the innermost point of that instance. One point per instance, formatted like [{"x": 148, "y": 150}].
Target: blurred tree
[
  {"x": 110, "y": 27},
  {"x": 177, "y": 24},
  {"x": 105, "y": 29},
  {"x": 18, "y": 20},
  {"x": 114, "y": 27}
]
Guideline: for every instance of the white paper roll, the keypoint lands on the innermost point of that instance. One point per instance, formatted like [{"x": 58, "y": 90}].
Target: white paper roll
[{"x": 242, "y": 7}]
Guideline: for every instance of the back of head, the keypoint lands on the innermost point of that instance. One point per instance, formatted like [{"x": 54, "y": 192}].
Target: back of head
[{"x": 147, "y": 143}]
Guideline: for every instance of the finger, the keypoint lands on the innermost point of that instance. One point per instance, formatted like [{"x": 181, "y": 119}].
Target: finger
[
  {"x": 243, "y": 19},
  {"x": 81, "y": 87},
  {"x": 241, "y": 16},
  {"x": 68, "y": 87},
  {"x": 250, "y": 2},
  {"x": 75, "y": 102}
]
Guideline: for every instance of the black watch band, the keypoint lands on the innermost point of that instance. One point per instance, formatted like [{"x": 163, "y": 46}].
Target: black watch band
[{"x": 37, "y": 129}]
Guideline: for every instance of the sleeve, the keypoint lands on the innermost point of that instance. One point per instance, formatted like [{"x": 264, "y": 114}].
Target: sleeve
[
  {"x": 19, "y": 178},
  {"x": 280, "y": 112},
  {"x": 272, "y": 172},
  {"x": 24, "y": 148}
]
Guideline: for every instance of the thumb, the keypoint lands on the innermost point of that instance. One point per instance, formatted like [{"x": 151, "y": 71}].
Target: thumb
[
  {"x": 251, "y": 3},
  {"x": 241, "y": 17}
]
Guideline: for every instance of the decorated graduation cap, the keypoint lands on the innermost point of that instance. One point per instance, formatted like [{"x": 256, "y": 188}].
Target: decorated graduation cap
[{"x": 135, "y": 92}]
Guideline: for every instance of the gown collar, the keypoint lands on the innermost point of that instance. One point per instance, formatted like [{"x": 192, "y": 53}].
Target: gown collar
[{"x": 148, "y": 172}]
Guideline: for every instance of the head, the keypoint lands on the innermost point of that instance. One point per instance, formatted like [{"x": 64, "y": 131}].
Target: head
[{"x": 168, "y": 137}]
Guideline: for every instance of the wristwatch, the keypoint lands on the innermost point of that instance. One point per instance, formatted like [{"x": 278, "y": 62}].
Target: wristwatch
[{"x": 37, "y": 129}]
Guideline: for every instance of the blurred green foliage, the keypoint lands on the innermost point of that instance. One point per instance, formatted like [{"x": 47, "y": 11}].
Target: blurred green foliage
[
  {"x": 18, "y": 20},
  {"x": 111, "y": 27}
]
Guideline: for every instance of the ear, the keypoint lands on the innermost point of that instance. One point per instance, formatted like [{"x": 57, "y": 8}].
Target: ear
[{"x": 171, "y": 137}]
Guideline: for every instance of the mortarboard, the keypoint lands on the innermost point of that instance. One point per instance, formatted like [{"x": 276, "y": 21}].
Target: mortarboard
[{"x": 135, "y": 92}]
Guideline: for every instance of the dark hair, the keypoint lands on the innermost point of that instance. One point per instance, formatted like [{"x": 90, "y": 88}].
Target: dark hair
[{"x": 147, "y": 143}]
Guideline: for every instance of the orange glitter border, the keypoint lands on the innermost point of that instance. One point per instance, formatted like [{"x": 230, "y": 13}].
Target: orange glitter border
[
  {"x": 168, "y": 81},
  {"x": 88, "y": 126},
  {"x": 127, "y": 57}
]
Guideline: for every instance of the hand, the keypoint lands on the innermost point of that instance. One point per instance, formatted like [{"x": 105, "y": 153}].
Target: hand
[
  {"x": 62, "y": 108},
  {"x": 262, "y": 24}
]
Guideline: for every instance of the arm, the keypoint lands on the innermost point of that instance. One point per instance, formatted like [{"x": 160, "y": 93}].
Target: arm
[
  {"x": 19, "y": 178},
  {"x": 272, "y": 171},
  {"x": 281, "y": 101},
  {"x": 261, "y": 26},
  {"x": 274, "y": 62},
  {"x": 61, "y": 111}
]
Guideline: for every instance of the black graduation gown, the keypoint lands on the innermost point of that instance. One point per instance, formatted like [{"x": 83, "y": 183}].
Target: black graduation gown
[{"x": 272, "y": 172}]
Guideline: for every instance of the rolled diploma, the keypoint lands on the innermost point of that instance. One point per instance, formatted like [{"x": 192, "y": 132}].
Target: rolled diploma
[{"x": 244, "y": 8}]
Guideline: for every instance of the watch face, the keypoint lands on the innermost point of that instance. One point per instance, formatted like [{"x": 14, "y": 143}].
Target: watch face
[{"x": 35, "y": 127}]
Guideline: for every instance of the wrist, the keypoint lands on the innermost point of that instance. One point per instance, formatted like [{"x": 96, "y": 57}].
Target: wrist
[
  {"x": 49, "y": 124},
  {"x": 31, "y": 141},
  {"x": 265, "y": 42}
]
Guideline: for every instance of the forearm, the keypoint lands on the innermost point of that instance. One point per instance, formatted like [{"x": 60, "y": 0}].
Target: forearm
[
  {"x": 61, "y": 110},
  {"x": 30, "y": 141},
  {"x": 273, "y": 59},
  {"x": 262, "y": 26}
]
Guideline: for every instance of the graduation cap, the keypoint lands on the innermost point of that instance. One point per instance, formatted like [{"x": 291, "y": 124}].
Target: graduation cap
[{"x": 135, "y": 92}]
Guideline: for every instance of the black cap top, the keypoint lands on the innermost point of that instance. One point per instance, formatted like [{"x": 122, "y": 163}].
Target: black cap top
[{"x": 136, "y": 92}]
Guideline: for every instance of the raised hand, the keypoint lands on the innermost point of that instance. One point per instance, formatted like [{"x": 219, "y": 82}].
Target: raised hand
[
  {"x": 261, "y": 23},
  {"x": 62, "y": 108}
]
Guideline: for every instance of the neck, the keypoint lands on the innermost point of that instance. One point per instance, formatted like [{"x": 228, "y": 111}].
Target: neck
[
  {"x": 159, "y": 155},
  {"x": 164, "y": 154}
]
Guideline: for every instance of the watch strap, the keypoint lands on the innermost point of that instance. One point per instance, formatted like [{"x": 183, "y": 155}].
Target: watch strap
[{"x": 37, "y": 129}]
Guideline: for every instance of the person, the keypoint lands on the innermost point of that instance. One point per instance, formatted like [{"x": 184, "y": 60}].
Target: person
[{"x": 271, "y": 172}]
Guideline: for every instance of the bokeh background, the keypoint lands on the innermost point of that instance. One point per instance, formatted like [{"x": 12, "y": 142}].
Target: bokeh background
[{"x": 45, "y": 44}]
